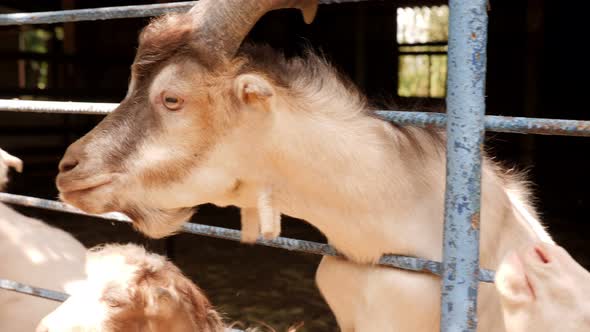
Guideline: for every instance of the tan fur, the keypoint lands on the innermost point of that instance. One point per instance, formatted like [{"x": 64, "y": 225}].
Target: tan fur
[
  {"x": 370, "y": 187},
  {"x": 33, "y": 253},
  {"x": 129, "y": 289},
  {"x": 36, "y": 254}
]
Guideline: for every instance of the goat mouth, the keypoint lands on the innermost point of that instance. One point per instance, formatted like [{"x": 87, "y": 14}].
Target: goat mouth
[{"x": 68, "y": 187}]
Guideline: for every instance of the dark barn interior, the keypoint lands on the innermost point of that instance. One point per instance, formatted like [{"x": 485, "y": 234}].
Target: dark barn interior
[{"x": 534, "y": 70}]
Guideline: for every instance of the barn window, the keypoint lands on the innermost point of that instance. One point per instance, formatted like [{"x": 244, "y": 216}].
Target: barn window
[
  {"x": 422, "y": 38},
  {"x": 34, "y": 45}
]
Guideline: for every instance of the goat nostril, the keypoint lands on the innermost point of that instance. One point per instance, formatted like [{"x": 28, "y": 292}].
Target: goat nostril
[
  {"x": 542, "y": 255},
  {"x": 67, "y": 165}
]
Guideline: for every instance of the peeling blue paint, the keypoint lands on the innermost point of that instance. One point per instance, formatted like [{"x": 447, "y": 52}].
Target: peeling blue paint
[
  {"x": 465, "y": 134},
  {"x": 504, "y": 124}
]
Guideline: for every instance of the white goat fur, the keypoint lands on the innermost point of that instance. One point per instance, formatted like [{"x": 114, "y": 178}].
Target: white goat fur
[
  {"x": 35, "y": 254},
  {"x": 372, "y": 188}
]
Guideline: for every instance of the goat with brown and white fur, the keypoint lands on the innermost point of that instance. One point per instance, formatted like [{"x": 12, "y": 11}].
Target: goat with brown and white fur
[
  {"x": 208, "y": 121},
  {"x": 129, "y": 289}
]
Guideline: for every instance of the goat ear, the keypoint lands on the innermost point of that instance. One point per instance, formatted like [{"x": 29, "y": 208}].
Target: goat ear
[
  {"x": 252, "y": 88},
  {"x": 511, "y": 281},
  {"x": 11, "y": 161}
]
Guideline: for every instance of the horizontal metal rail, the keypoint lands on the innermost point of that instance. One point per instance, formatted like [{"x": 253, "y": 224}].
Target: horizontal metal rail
[
  {"x": 397, "y": 261},
  {"x": 31, "y": 290},
  {"x": 59, "y": 107},
  {"x": 108, "y": 13},
  {"x": 505, "y": 124},
  {"x": 93, "y": 14}
]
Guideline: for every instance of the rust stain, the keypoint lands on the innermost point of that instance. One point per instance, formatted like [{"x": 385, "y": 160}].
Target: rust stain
[
  {"x": 550, "y": 127},
  {"x": 473, "y": 35},
  {"x": 475, "y": 221}
]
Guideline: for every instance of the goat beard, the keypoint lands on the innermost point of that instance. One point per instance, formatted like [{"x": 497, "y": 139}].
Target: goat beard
[{"x": 157, "y": 223}]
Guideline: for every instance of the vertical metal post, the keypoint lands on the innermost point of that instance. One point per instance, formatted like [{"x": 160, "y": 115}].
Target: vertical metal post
[{"x": 465, "y": 133}]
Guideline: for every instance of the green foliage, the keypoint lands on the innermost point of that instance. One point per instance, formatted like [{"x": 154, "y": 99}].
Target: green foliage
[{"x": 36, "y": 41}]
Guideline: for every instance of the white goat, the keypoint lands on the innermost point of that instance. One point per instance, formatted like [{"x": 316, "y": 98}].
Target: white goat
[
  {"x": 206, "y": 120},
  {"x": 33, "y": 253}
]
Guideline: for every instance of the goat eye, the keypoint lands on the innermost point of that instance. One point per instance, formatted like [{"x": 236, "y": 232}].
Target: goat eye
[
  {"x": 171, "y": 102},
  {"x": 112, "y": 303}
]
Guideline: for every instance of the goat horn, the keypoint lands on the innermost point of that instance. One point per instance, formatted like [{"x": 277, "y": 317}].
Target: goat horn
[{"x": 223, "y": 24}]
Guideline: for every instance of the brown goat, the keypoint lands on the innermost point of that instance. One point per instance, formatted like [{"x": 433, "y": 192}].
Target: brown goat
[
  {"x": 128, "y": 289},
  {"x": 205, "y": 121}
]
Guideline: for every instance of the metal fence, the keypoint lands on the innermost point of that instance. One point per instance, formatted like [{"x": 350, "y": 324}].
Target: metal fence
[{"x": 465, "y": 124}]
